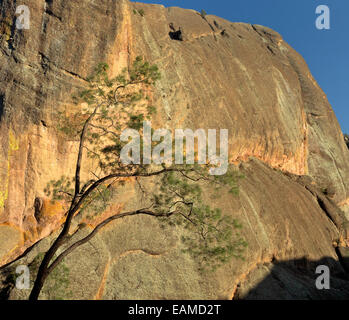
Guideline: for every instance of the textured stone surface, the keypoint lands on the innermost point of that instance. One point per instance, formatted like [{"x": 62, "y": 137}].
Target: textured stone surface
[
  {"x": 136, "y": 259},
  {"x": 242, "y": 77},
  {"x": 40, "y": 68},
  {"x": 10, "y": 238}
]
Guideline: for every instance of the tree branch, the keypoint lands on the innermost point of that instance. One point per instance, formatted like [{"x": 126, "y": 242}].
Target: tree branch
[
  {"x": 97, "y": 228},
  {"x": 81, "y": 147},
  {"x": 118, "y": 175}
]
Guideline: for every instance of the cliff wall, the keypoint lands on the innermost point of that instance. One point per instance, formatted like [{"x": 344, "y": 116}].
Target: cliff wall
[{"x": 283, "y": 133}]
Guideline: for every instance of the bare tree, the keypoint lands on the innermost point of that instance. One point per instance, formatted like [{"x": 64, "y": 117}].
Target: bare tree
[{"x": 111, "y": 105}]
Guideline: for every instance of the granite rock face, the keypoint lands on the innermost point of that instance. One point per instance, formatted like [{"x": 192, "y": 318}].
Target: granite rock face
[{"x": 283, "y": 133}]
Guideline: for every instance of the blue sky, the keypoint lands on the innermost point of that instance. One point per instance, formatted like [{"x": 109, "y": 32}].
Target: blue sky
[{"x": 325, "y": 51}]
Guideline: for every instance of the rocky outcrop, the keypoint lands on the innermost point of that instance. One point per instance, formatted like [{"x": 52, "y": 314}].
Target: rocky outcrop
[
  {"x": 145, "y": 260},
  {"x": 40, "y": 68},
  {"x": 242, "y": 77}
]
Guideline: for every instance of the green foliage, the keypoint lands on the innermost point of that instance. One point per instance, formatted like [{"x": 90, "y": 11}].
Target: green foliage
[
  {"x": 143, "y": 71},
  {"x": 136, "y": 121},
  {"x": 212, "y": 238},
  {"x": 230, "y": 179},
  {"x": 61, "y": 189},
  {"x": 114, "y": 104},
  {"x": 203, "y": 13},
  {"x": 115, "y": 100},
  {"x": 151, "y": 110},
  {"x": 97, "y": 202},
  {"x": 140, "y": 12},
  {"x": 57, "y": 285},
  {"x": 72, "y": 128}
]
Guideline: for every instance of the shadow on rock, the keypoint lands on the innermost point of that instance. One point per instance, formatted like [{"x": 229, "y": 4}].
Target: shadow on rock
[{"x": 297, "y": 280}]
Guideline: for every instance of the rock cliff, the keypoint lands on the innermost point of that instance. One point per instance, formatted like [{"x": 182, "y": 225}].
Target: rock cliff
[{"x": 284, "y": 136}]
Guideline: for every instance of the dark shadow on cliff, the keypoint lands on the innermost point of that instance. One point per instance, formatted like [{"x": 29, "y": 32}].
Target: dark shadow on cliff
[
  {"x": 295, "y": 280},
  {"x": 7, "y": 284},
  {"x": 176, "y": 35}
]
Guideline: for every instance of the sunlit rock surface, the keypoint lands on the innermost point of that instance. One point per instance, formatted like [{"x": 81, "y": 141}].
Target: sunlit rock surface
[{"x": 223, "y": 75}]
